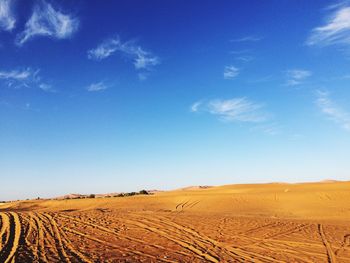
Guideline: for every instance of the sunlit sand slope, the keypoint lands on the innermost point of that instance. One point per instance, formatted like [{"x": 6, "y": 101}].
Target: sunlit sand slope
[{"x": 235, "y": 223}]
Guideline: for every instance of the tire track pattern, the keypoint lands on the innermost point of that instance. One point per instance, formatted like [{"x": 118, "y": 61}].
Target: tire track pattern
[
  {"x": 12, "y": 229},
  {"x": 92, "y": 236},
  {"x": 35, "y": 237},
  {"x": 330, "y": 254}
]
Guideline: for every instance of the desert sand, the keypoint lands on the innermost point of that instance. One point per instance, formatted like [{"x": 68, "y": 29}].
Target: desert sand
[{"x": 308, "y": 222}]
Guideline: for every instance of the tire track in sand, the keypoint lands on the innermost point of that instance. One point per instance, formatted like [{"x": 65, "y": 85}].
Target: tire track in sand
[
  {"x": 330, "y": 254},
  {"x": 40, "y": 238},
  {"x": 179, "y": 242},
  {"x": 187, "y": 245},
  {"x": 72, "y": 251},
  {"x": 5, "y": 225},
  {"x": 31, "y": 234},
  {"x": 194, "y": 238},
  {"x": 238, "y": 253},
  {"x": 114, "y": 245},
  {"x": 64, "y": 244},
  {"x": 56, "y": 236},
  {"x": 178, "y": 231},
  {"x": 8, "y": 252},
  {"x": 121, "y": 236},
  {"x": 345, "y": 244},
  {"x": 51, "y": 244}
]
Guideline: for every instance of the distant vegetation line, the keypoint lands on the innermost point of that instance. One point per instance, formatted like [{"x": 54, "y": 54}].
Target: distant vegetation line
[{"x": 142, "y": 192}]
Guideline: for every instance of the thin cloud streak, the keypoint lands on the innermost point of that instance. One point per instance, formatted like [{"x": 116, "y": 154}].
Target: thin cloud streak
[
  {"x": 141, "y": 59},
  {"x": 245, "y": 59},
  {"x": 16, "y": 74},
  {"x": 196, "y": 106},
  {"x": 46, "y": 87},
  {"x": 105, "y": 49},
  {"x": 7, "y": 18},
  {"x": 240, "y": 52},
  {"x": 230, "y": 72},
  {"x": 233, "y": 110},
  {"x": 297, "y": 76},
  {"x": 94, "y": 87},
  {"x": 268, "y": 128},
  {"x": 25, "y": 78},
  {"x": 247, "y": 39},
  {"x": 332, "y": 110},
  {"x": 335, "y": 31},
  {"x": 47, "y": 21}
]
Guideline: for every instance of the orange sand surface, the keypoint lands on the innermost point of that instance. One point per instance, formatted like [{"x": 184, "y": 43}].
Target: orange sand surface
[{"x": 277, "y": 222}]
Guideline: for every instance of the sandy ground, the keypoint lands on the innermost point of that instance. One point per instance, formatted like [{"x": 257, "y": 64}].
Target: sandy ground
[{"x": 234, "y": 223}]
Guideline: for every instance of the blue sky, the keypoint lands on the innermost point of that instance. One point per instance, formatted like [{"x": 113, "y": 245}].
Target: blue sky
[{"x": 111, "y": 96}]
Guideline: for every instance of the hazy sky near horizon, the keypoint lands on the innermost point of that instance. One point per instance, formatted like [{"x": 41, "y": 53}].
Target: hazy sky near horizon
[{"x": 109, "y": 96}]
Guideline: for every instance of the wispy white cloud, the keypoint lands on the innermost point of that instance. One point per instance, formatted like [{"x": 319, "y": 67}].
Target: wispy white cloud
[
  {"x": 48, "y": 21},
  {"x": 268, "y": 128},
  {"x": 296, "y": 76},
  {"x": 230, "y": 72},
  {"x": 245, "y": 59},
  {"x": 7, "y": 18},
  {"x": 99, "y": 86},
  {"x": 105, "y": 49},
  {"x": 332, "y": 110},
  {"x": 16, "y": 74},
  {"x": 24, "y": 78},
  {"x": 196, "y": 106},
  {"x": 143, "y": 75},
  {"x": 240, "y": 52},
  {"x": 336, "y": 29},
  {"x": 142, "y": 60},
  {"x": 233, "y": 110},
  {"x": 247, "y": 39},
  {"x": 46, "y": 87}
]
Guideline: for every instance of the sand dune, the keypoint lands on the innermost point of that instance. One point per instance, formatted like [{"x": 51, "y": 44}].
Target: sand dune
[{"x": 276, "y": 222}]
